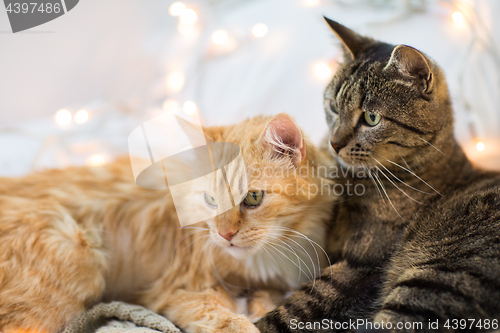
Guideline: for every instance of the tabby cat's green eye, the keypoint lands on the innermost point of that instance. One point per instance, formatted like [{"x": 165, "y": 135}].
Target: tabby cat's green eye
[
  {"x": 331, "y": 105},
  {"x": 372, "y": 119},
  {"x": 254, "y": 198},
  {"x": 210, "y": 200}
]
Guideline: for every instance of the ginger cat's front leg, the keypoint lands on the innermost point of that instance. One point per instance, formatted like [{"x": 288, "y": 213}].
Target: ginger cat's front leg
[
  {"x": 262, "y": 302},
  {"x": 207, "y": 311}
]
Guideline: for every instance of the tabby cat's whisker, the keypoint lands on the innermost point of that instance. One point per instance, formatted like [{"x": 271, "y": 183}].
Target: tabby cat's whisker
[
  {"x": 413, "y": 188},
  {"x": 373, "y": 181},
  {"x": 404, "y": 161},
  {"x": 394, "y": 184},
  {"x": 387, "y": 195},
  {"x": 377, "y": 179},
  {"x": 430, "y": 144},
  {"x": 412, "y": 173}
]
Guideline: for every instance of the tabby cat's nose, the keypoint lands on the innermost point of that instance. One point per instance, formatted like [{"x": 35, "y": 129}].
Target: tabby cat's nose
[
  {"x": 336, "y": 146},
  {"x": 227, "y": 235}
]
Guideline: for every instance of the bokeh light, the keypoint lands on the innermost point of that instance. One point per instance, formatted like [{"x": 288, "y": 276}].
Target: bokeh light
[
  {"x": 81, "y": 117},
  {"x": 322, "y": 71},
  {"x": 220, "y": 37},
  {"x": 176, "y": 9},
  {"x": 188, "y": 16},
  {"x": 175, "y": 81},
  {"x": 259, "y": 30},
  {"x": 96, "y": 160},
  {"x": 63, "y": 117},
  {"x": 189, "y": 107}
]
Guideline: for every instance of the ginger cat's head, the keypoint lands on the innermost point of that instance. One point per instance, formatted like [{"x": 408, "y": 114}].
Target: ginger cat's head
[{"x": 286, "y": 194}]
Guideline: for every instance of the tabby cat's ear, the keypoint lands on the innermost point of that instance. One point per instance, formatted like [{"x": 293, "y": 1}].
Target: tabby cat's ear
[
  {"x": 412, "y": 63},
  {"x": 285, "y": 139},
  {"x": 353, "y": 44}
]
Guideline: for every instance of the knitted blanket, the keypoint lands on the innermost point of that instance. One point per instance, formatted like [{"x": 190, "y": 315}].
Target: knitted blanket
[{"x": 118, "y": 317}]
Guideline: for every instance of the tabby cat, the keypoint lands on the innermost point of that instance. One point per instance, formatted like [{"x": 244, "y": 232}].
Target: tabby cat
[
  {"x": 420, "y": 251},
  {"x": 70, "y": 238}
]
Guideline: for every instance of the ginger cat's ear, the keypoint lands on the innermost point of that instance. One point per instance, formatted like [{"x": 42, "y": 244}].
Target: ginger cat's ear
[
  {"x": 209, "y": 135},
  {"x": 284, "y": 137}
]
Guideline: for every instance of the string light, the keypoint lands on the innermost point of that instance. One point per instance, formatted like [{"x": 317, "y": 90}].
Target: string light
[
  {"x": 186, "y": 29},
  {"x": 188, "y": 16},
  {"x": 170, "y": 105},
  {"x": 311, "y": 3},
  {"x": 176, "y": 9},
  {"x": 458, "y": 17},
  {"x": 96, "y": 160},
  {"x": 189, "y": 107},
  {"x": 220, "y": 37},
  {"x": 175, "y": 81},
  {"x": 259, "y": 30},
  {"x": 63, "y": 117},
  {"x": 322, "y": 71},
  {"x": 81, "y": 117}
]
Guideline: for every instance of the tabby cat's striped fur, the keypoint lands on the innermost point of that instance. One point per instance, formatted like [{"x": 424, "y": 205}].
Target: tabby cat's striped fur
[{"x": 423, "y": 243}]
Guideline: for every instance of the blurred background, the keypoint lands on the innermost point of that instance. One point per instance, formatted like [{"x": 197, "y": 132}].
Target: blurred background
[{"x": 73, "y": 89}]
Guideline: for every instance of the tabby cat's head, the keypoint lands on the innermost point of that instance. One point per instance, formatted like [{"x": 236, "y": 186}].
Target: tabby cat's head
[
  {"x": 284, "y": 196},
  {"x": 385, "y": 103}
]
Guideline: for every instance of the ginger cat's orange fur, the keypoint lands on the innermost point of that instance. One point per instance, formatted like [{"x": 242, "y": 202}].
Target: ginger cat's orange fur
[{"x": 73, "y": 237}]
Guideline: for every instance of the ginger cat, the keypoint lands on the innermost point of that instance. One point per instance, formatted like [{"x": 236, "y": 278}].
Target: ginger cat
[{"x": 70, "y": 238}]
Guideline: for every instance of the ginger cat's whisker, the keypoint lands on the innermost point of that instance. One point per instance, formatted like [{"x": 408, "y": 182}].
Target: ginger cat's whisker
[
  {"x": 304, "y": 251},
  {"x": 312, "y": 242},
  {"x": 299, "y": 260},
  {"x": 287, "y": 257}
]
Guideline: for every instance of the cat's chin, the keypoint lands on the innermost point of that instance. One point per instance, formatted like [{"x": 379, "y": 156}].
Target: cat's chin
[{"x": 240, "y": 252}]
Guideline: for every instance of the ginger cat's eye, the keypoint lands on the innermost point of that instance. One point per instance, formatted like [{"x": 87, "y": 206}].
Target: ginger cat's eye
[
  {"x": 331, "y": 105},
  {"x": 372, "y": 119},
  {"x": 210, "y": 200},
  {"x": 254, "y": 198}
]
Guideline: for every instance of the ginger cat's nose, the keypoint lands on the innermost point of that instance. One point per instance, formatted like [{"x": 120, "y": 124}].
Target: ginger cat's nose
[{"x": 227, "y": 234}]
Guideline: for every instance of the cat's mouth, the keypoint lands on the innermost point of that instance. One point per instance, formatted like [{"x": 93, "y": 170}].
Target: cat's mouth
[
  {"x": 236, "y": 247},
  {"x": 355, "y": 168},
  {"x": 349, "y": 162},
  {"x": 346, "y": 161}
]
